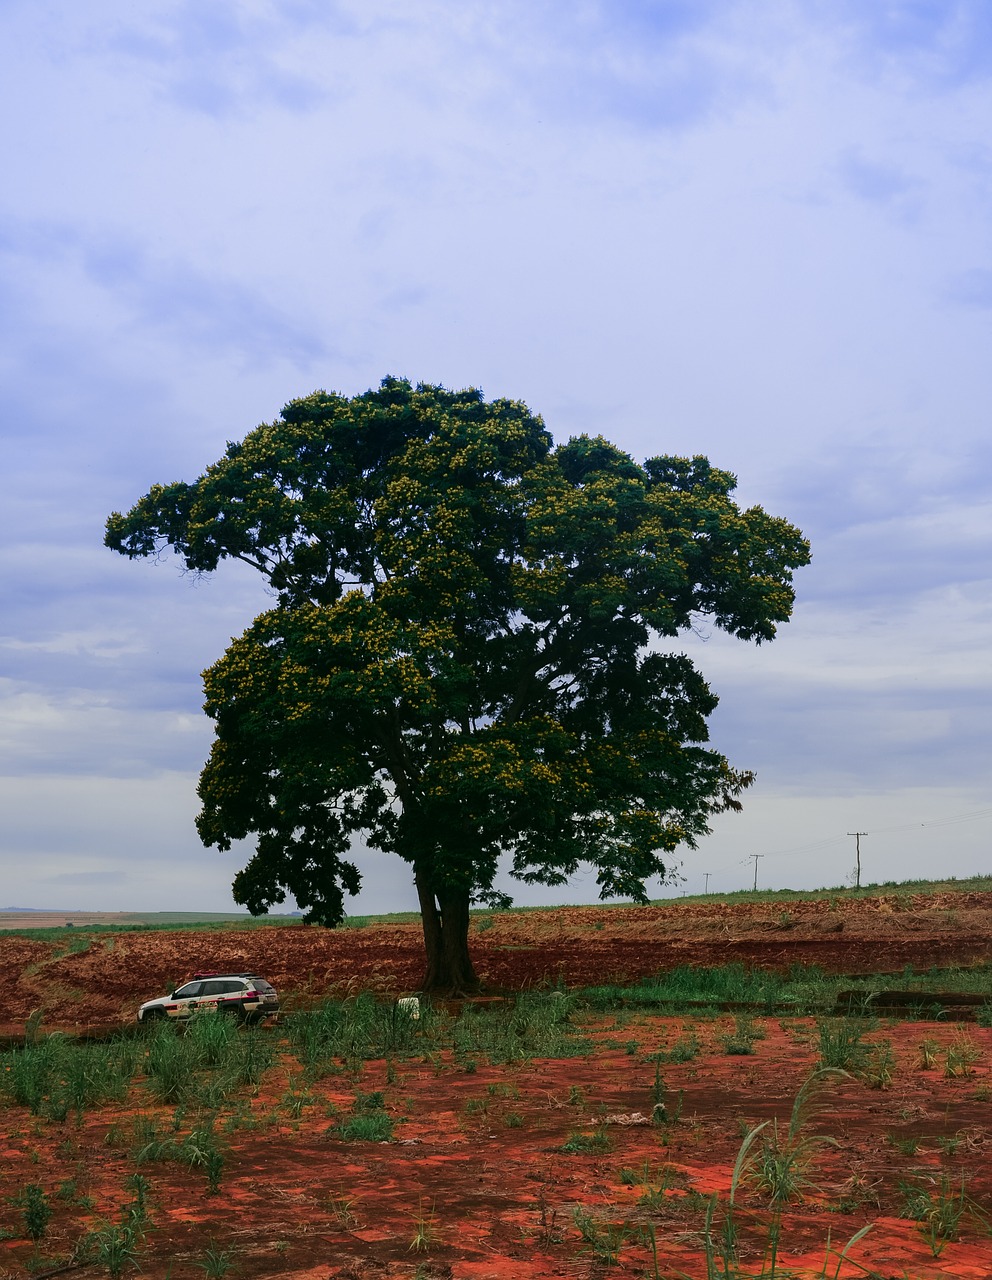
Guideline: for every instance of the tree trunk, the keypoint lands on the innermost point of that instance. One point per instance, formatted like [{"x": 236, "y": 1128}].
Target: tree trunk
[{"x": 445, "y": 918}]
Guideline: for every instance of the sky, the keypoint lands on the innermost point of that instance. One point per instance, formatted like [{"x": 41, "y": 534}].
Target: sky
[{"x": 756, "y": 231}]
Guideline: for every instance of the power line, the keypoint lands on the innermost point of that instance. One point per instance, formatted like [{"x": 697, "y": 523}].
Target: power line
[
  {"x": 951, "y": 820},
  {"x": 857, "y": 844}
]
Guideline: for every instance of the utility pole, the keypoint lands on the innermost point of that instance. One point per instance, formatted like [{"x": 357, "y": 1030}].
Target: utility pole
[
  {"x": 857, "y": 847},
  {"x": 706, "y": 879},
  {"x": 756, "y": 856}
]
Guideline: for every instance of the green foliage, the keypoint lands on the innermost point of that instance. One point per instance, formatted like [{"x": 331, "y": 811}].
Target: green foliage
[
  {"x": 940, "y": 1213},
  {"x": 116, "y": 1245},
  {"x": 36, "y": 1210},
  {"x": 596, "y": 1143},
  {"x": 879, "y": 1065},
  {"x": 742, "y": 1039},
  {"x": 605, "y": 1239},
  {"x": 536, "y": 1025},
  {"x": 357, "y": 1029},
  {"x": 685, "y": 1048},
  {"x": 216, "y": 1262},
  {"x": 374, "y": 1126},
  {"x": 53, "y": 1075},
  {"x": 426, "y": 1234},
  {"x": 780, "y": 1164},
  {"x": 461, "y": 661},
  {"x": 841, "y": 1046}
]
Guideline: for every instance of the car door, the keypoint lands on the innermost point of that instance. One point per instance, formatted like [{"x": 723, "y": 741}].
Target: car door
[
  {"x": 185, "y": 999},
  {"x": 212, "y": 988}
]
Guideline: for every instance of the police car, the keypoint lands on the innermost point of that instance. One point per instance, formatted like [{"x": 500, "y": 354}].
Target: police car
[{"x": 242, "y": 995}]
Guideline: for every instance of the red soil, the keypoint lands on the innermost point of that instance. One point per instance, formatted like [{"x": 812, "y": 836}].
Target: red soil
[
  {"x": 477, "y": 1158},
  {"x": 499, "y": 1196},
  {"x": 576, "y": 945}
]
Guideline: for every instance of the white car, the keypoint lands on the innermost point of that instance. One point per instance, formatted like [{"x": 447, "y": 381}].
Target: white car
[{"x": 242, "y": 995}]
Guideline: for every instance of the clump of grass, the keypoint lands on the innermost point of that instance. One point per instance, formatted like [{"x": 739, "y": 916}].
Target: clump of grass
[
  {"x": 375, "y": 1126},
  {"x": 116, "y": 1245},
  {"x": 960, "y": 1057},
  {"x": 841, "y": 1046},
  {"x": 879, "y": 1064},
  {"x": 36, "y": 1210},
  {"x": 426, "y": 1234},
  {"x": 940, "y": 1214},
  {"x": 537, "y": 1025},
  {"x": 780, "y": 1166},
  {"x": 685, "y": 1049},
  {"x": 742, "y": 1039},
  {"x": 605, "y": 1239},
  {"x": 216, "y": 1262},
  {"x": 595, "y": 1143}
]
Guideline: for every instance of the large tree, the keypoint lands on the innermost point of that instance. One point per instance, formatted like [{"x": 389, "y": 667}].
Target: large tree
[{"x": 469, "y": 653}]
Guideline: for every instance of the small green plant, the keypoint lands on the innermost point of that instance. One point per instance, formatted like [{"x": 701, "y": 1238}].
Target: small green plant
[
  {"x": 374, "y": 1126},
  {"x": 907, "y": 1146},
  {"x": 295, "y": 1099},
  {"x": 369, "y": 1102},
  {"x": 425, "y": 1234},
  {"x": 960, "y": 1057},
  {"x": 741, "y": 1039},
  {"x": 940, "y": 1215},
  {"x": 840, "y": 1044},
  {"x": 216, "y": 1262},
  {"x": 928, "y": 1051},
  {"x": 594, "y": 1143},
  {"x": 341, "y": 1207},
  {"x": 513, "y": 1120},
  {"x": 36, "y": 1210},
  {"x": 780, "y": 1165},
  {"x": 605, "y": 1239},
  {"x": 115, "y": 1245},
  {"x": 685, "y": 1048},
  {"x": 576, "y": 1096},
  {"x": 879, "y": 1065}
]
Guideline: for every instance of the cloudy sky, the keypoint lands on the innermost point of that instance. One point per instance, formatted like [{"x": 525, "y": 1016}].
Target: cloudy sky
[{"x": 759, "y": 231}]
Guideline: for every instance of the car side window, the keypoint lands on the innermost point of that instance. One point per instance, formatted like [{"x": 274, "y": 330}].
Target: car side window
[
  {"x": 213, "y": 988},
  {"x": 190, "y": 989},
  {"x": 231, "y": 984}
]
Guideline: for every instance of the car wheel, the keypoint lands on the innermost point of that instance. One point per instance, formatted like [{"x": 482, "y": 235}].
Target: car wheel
[{"x": 153, "y": 1015}]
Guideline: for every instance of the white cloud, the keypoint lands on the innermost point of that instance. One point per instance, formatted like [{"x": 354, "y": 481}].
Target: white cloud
[{"x": 759, "y": 234}]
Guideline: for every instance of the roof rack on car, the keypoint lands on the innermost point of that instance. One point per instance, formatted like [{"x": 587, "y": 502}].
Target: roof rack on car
[{"x": 221, "y": 973}]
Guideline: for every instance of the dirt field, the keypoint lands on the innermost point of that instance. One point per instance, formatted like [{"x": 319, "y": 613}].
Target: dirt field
[
  {"x": 478, "y": 1166},
  {"x": 476, "y": 1180},
  {"x": 85, "y": 978}
]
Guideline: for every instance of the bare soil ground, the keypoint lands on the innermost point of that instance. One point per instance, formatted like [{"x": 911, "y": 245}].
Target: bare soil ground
[
  {"x": 80, "y": 978},
  {"x": 476, "y": 1166}
]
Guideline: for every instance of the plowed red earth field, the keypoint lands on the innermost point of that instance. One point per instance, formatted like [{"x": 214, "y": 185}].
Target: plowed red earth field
[
  {"x": 475, "y": 1171},
  {"x": 575, "y": 945}
]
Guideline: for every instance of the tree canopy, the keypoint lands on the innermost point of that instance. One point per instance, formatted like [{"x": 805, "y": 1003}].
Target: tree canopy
[{"x": 469, "y": 654}]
